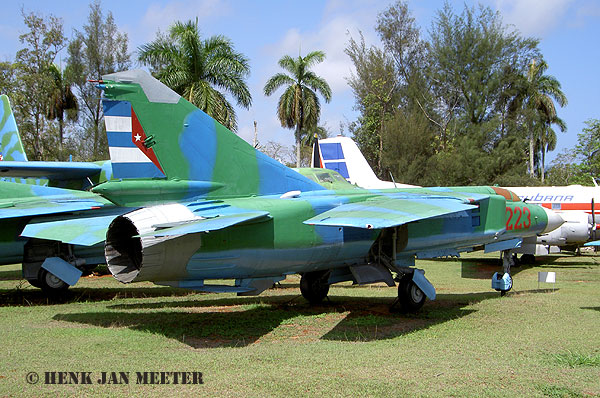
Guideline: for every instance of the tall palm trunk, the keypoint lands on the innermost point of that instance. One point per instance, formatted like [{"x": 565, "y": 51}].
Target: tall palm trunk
[
  {"x": 531, "y": 171},
  {"x": 60, "y": 133},
  {"x": 298, "y": 137},
  {"x": 299, "y": 119},
  {"x": 298, "y": 143},
  {"x": 379, "y": 167},
  {"x": 531, "y": 148},
  {"x": 542, "y": 165}
]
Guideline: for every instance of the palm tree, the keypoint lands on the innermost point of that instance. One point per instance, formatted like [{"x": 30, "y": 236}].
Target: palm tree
[
  {"x": 546, "y": 139},
  {"x": 200, "y": 70},
  {"x": 546, "y": 142},
  {"x": 541, "y": 91},
  {"x": 61, "y": 100},
  {"x": 299, "y": 105}
]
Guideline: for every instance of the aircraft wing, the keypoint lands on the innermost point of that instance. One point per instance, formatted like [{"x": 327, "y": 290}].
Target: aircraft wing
[
  {"x": 389, "y": 212},
  {"x": 91, "y": 229},
  {"x": 50, "y": 170},
  {"x": 208, "y": 224},
  {"x": 85, "y": 231},
  {"x": 23, "y": 200}
]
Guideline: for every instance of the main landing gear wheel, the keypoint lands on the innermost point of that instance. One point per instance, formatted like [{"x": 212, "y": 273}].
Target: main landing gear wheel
[
  {"x": 314, "y": 287},
  {"x": 50, "y": 283},
  {"x": 411, "y": 298}
]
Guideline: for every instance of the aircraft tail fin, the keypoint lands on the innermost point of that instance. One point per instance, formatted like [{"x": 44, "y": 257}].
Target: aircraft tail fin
[
  {"x": 130, "y": 157},
  {"x": 185, "y": 143},
  {"x": 316, "y": 161},
  {"x": 11, "y": 147},
  {"x": 342, "y": 155}
]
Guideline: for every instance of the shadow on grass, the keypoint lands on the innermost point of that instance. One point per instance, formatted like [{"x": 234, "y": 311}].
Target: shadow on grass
[
  {"x": 591, "y": 308},
  {"x": 35, "y": 297},
  {"x": 235, "y": 328},
  {"x": 238, "y": 322},
  {"x": 10, "y": 275},
  {"x": 484, "y": 268}
]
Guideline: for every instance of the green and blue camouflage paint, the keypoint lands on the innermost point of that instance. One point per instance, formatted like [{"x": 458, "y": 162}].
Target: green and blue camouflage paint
[
  {"x": 11, "y": 147},
  {"x": 225, "y": 210}
]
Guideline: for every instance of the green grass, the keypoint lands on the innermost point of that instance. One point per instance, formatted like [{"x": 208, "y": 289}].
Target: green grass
[
  {"x": 536, "y": 341},
  {"x": 559, "y": 391},
  {"x": 575, "y": 359}
]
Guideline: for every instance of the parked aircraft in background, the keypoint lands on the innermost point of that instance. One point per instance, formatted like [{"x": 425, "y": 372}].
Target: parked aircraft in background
[
  {"x": 16, "y": 168},
  {"x": 226, "y": 211},
  {"x": 342, "y": 155},
  {"x": 573, "y": 203}
]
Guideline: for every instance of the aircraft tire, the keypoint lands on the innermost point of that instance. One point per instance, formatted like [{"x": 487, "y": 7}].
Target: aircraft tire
[
  {"x": 410, "y": 296},
  {"x": 50, "y": 283},
  {"x": 314, "y": 287}
]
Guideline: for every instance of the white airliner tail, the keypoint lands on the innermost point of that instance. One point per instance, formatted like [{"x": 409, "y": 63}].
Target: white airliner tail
[{"x": 342, "y": 155}]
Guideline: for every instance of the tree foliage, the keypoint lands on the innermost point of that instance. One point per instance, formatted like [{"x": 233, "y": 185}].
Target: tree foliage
[
  {"x": 375, "y": 87},
  {"x": 457, "y": 104},
  {"x": 201, "y": 71},
  {"x": 42, "y": 42},
  {"x": 61, "y": 101},
  {"x": 540, "y": 93},
  {"x": 98, "y": 49}
]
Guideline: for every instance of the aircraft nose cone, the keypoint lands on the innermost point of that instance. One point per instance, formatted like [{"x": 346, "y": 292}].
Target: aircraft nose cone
[{"x": 554, "y": 221}]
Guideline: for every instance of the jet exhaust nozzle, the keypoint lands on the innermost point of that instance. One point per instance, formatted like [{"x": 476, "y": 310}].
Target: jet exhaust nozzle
[{"x": 133, "y": 254}]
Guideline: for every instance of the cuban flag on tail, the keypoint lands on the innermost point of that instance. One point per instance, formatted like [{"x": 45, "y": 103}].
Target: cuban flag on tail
[{"x": 130, "y": 149}]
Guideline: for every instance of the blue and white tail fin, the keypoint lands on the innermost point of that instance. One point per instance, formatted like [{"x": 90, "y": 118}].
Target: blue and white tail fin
[{"x": 342, "y": 155}]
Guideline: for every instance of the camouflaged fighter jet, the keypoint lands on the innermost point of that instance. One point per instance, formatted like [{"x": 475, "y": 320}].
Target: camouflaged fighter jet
[
  {"x": 25, "y": 191},
  {"x": 39, "y": 256},
  {"x": 36, "y": 255},
  {"x": 224, "y": 210}
]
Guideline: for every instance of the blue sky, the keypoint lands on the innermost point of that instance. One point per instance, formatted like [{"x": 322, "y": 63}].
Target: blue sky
[{"x": 265, "y": 30}]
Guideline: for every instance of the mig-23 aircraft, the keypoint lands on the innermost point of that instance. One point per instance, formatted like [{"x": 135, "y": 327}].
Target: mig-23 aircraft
[{"x": 226, "y": 211}]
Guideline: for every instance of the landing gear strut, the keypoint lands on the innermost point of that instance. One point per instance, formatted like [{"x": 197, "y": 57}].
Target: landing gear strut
[
  {"x": 314, "y": 286},
  {"x": 503, "y": 283}
]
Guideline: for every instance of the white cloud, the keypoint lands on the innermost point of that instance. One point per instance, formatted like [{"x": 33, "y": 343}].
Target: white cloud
[
  {"x": 585, "y": 13},
  {"x": 533, "y": 17},
  {"x": 331, "y": 37},
  {"x": 161, "y": 16}
]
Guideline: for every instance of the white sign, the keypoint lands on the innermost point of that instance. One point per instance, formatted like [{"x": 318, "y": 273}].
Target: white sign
[{"x": 548, "y": 277}]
